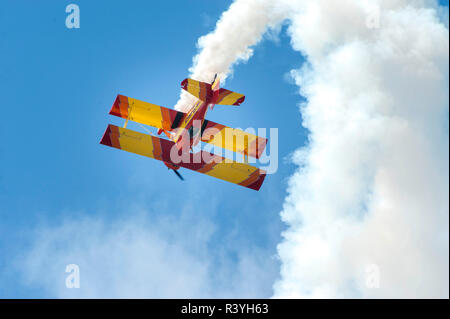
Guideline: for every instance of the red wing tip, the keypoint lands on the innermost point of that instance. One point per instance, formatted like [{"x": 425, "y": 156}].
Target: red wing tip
[
  {"x": 106, "y": 139},
  {"x": 258, "y": 183},
  {"x": 257, "y": 147},
  {"x": 240, "y": 101},
  {"x": 184, "y": 84},
  {"x": 120, "y": 106}
]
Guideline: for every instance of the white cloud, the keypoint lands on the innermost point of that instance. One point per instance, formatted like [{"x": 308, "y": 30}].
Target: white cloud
[
  {"x": 142, "y": 257},
  {"x": 372, "y": 186}
]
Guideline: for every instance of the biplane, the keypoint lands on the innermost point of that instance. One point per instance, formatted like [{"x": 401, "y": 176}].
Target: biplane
[{"x": 186, "y": 130}]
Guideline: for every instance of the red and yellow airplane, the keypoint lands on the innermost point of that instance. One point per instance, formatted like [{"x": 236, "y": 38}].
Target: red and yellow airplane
[{"x": 185, "y": 130}]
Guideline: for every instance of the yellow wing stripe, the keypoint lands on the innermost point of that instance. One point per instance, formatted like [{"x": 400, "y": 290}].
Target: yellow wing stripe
[
  {"x": 233, "y": 172},
  {"x": 234, "y": 139},
  {"x": 227, "y": 97},
  {"x": 144, "y": 112}
]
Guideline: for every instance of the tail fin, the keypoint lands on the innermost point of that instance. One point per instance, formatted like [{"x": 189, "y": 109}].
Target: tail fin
[
  {"x": 200, "y": 90},
  {"x": 212, "y": 92}
]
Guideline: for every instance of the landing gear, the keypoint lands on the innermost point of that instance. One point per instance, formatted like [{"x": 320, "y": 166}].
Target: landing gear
[{"x": 174, "y": 168}]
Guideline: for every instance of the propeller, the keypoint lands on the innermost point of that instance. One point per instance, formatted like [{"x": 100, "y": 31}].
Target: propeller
[{"x": 178, "y": 174}]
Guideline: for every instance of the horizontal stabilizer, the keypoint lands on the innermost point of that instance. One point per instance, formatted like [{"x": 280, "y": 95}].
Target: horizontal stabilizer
[
  {"x": 227, "y": 97},
  {"x": 204, "y": 92}
]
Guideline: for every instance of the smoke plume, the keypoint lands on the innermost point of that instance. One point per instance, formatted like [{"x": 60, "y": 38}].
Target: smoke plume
[
  {"x": 238, "y": 29},
  {"x": 367, "y": 210}
]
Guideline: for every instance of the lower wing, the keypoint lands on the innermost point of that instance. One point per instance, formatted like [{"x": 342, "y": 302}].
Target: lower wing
[
  {"x": 232, "y": 139},
  {"x": 202, "y": 162}
]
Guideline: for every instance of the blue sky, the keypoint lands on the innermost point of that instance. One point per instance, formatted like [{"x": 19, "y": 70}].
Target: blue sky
[{"x": 58, "y": 85}]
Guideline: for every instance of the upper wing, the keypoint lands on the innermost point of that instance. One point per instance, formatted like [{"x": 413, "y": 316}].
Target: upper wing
[
  {"x": 146, "y": 113},
  {"x": 202, "y": 162},
  {"x": 233, "y": 139}
]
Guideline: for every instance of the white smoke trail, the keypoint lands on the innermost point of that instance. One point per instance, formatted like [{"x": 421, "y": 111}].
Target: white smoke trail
[
  {"x": 371, "y": 191},
  {"x": 238, "y": 29},
  {"x": 370, "y": 198}
]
